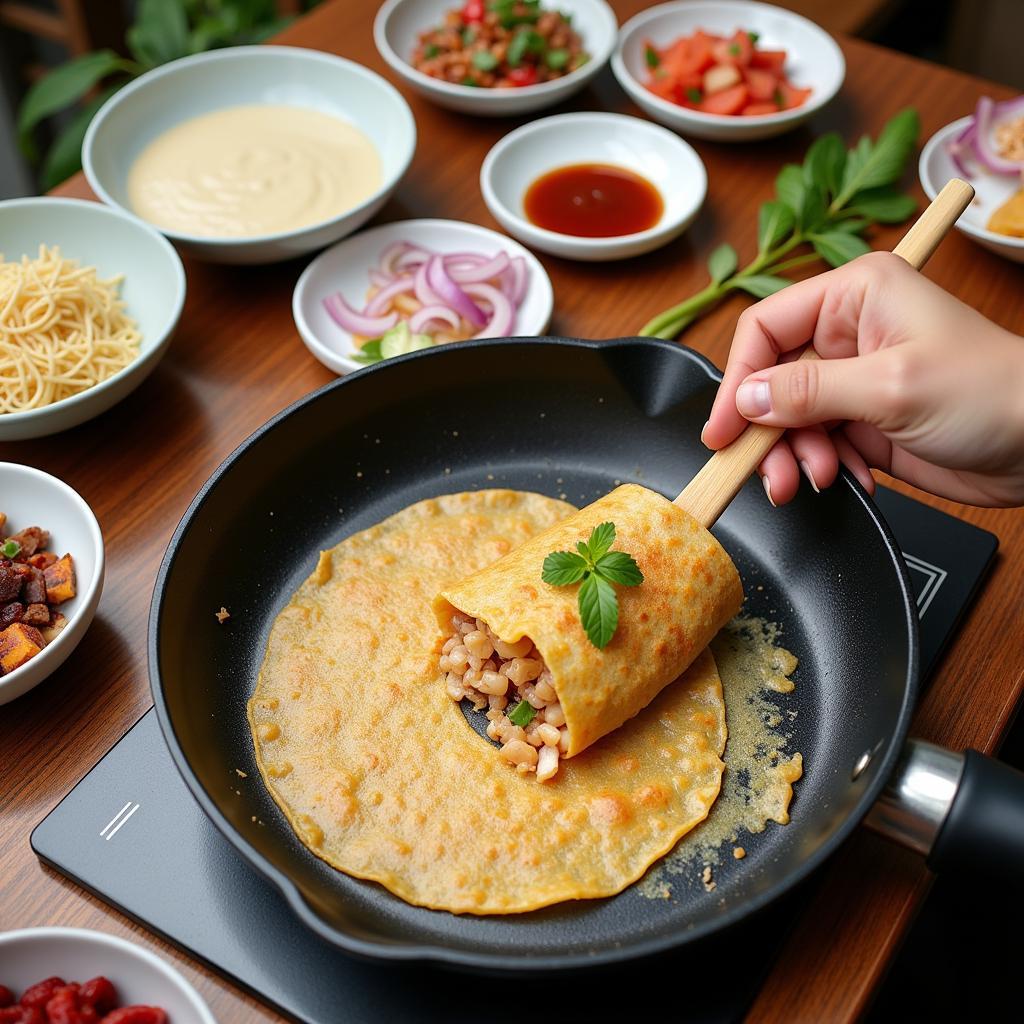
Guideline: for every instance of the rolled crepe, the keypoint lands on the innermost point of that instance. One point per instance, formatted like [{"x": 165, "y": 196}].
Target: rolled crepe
[{"x": 690, "y": 590}]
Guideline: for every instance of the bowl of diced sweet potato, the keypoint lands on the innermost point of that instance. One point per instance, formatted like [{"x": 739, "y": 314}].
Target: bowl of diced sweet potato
[{"x": 51, "y": 575}]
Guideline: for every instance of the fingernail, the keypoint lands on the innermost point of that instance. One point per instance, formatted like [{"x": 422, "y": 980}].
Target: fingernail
[
  {"x": 810, "y": 476},
  {"x": 703, "y": 430},
  {"x": 768, "y": 489},
  {"x": 754, "y": 398}
]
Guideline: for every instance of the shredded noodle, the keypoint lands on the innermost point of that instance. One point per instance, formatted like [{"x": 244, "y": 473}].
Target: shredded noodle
[{"x": 62, "y": 330}]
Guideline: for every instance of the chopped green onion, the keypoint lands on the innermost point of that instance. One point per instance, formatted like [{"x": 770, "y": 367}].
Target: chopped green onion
[
  {"x": 10, "y": 549},
  {"x": 557, "y": 59},
  {"x": 693, "y": 95},
  {"x": 753, "y": 37},
  {"x": 430, "y": 51},
  {"x": 734, "y": 49},
  {"x": 523, "y": 42},
  {"x": 651, "y": 56},
  {"x": 468, "y": 80},
  {"x": 468, "y": 35},
  {"x": 522, "y": 714},
  {"x": 484, "y": 60}
]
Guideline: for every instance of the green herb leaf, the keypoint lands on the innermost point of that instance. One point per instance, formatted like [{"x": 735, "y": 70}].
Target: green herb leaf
[
  {"x": 522, "y": 714},
  {"x": 851, "y": 225},
  {"x": 469, "y": 80},
  {"x": 774, "y": 222},
  {"x": 870, "y": 165},
  {"x": 694, "y": 95},
  {"x": 160, "y": 32},
  {"x": 562, "y": 568},
  {"x": 789, "y": 187},
  {"x": 885, "y": 205},
  {"x": 601, "y": 539},
  {"x": 370, "y": 352},
  {"x": 813, "y": 209},
  {"x": 722, "y": 263},
  {"x": 599, "y": 610},
  {"x": 468, "y": 35},
  {"x": 10, "y": 548},
  {"x": 484, "y": 60},
  {"x": 753, "y": 37},
  {"x": 651, "y": 56},
  {"x": 839, "y": 247},
  {"x": 431, "y": 50},
  {"x": 778, "y": 99},
  {"x": 761, "y": 285},
  {"x": 825, "y": 163},
  {"x": 734, "y": 49},
  {"x": 522, "y": 42},
  {"x": 618, "y": 567},
  {"x": 62, "y": 87},
  {"x": 64, "y": 157},
  {"x": 556, "y": 59}
]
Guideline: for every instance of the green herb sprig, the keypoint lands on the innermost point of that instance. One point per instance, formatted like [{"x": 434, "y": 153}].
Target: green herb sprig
[
  {"x": 10, "y": 548},
  {"x": 522, "y": 714},
  {"x": 827, "y": 203},
  {"x": 597, "y": 569}
]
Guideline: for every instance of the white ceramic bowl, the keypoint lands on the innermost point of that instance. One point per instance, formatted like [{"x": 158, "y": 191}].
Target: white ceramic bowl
[
  {"x": 814, "y": 59},
  {"x": 399, "y": 23},
  {"x": 344, "y": 267},
  {"x": 76, "y": 954},
  {"x": 936, "y": 167},
  {"x": 662, "y": 158},
  {"x": 288, "y": 75},
  {"x": 30, "y": 497},
  {"x": 115, "y": 243}
]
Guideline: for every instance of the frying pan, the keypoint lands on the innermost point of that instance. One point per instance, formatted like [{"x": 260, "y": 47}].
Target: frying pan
[{"x": 568, "y": 417}]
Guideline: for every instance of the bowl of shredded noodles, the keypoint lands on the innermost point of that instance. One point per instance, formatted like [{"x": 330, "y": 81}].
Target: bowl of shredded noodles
[{"x": 89, "y": 299}]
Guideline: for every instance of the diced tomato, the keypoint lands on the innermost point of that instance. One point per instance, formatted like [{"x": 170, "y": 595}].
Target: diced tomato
[
  {"x": 737, "y": 49},
  {"x": 761, "y": 83},
  {"x": 771, "y": 60},
  {"x": 6, "y": 997},
  {"x": 473, "y": 12},
  {"x": 752, "y": 109},
  {"x": 728, "y": 101},
  {"x": 792, "y": 96},
  {"x": 525, "y": 75}
]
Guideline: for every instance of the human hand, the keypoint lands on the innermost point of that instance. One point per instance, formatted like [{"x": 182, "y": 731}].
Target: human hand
[{"x": 910, "y": 381}]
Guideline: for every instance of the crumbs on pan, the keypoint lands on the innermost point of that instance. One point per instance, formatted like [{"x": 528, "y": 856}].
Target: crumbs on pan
[
  {"x": 223, "y": 615},
  {"x": 241, "y": 774},
  {"x": 759, "y": 770}
]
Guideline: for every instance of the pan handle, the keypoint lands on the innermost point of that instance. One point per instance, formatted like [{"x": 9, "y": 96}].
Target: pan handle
[{"x": 962, "y": 811}]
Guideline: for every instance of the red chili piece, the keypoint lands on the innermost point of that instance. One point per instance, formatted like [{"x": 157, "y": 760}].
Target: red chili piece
[
  {"x": 473, "y": 12},
  {"x": 62, "y": 1007},
  {"x": 525, "y": 75},
  {"x": 21, "y": 1015},
  {"x": 6, "y": 997},
  {"x": 38, "y": 995},
  {"x": 100, "y": 993},
  {"x": 136, "y": 1015}
]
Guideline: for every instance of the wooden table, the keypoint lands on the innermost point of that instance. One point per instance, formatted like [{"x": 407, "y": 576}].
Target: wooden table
[{"x": 237, "y": 360}]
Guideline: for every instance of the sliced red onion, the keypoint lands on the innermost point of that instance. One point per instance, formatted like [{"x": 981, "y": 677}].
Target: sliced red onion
[
  {"x": 419, "y": 320},
  {"x": 502, "y": 315},
  {"x": 357, "y": 323},
  {"x": 984, "y": 146},
  {"x": 481, "y": 272},
  {"x": 518, "y": 267},
  {"x": 412, "y": 258},
  {"x": 452, "y": 295},
  {"x": 961, "y": 147},
  {"x": 458, "y": 259},
  {"x": 390, "y": 255},
  {"x": 380, "y": 301},
  {"x": 424, "y": 293},
  {"x": 379, "y": 279}
]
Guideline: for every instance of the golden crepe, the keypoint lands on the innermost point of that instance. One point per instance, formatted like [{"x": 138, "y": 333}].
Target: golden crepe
[
  {"x": 690, "y": 590},
  {"x": 384, "y": 779}
]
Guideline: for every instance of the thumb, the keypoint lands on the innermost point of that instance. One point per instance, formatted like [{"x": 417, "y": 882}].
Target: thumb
[{"x": 810, "y": 391}]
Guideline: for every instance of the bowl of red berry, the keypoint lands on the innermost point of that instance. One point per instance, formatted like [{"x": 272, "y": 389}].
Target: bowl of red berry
[{"x": 76, "y": 976}]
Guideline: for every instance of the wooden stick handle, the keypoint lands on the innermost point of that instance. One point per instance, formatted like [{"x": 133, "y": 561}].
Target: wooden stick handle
[{"x": 719, "y": 480}]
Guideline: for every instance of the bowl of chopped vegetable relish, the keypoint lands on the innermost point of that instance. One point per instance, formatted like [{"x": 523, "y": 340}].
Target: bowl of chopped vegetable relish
[
  {"x": 731, "y": 71},
  {"x": 495, "y": 57}
]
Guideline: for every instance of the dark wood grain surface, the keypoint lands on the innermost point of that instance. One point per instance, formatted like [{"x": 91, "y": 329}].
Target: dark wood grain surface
[{"x": 237, "y": 360}]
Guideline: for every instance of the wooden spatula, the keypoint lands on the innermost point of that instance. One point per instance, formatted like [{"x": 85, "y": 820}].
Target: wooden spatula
[{"x": 708, "y": 494}]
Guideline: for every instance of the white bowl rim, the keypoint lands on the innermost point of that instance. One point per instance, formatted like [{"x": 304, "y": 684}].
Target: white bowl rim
[
  {"x": 89, "y": 935},
  {"x": 931, "y": 191},
  {"x": 90, "y": 594},
  {"x": 805, "y": 110},
  {"x": 237, "y": 53},
  {"x": 582, "y": 116},
  {"x": 402, "y": 66},
  {"x": 29, "y": 415},
  {"x": 309, "y": 336}
]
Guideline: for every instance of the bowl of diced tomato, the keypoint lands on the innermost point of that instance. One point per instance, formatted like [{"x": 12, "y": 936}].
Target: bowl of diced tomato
[{"x": 729, "y": 71}]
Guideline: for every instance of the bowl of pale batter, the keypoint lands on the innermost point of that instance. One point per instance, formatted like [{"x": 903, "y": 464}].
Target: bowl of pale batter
[{"x": 252, "y": 154}]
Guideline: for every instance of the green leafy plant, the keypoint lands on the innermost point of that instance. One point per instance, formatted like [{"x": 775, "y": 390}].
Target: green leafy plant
[
  {"x": 826, "y": 204},
  {"x": 164, "y": 30},
  {"x": 596, "y": 568}
]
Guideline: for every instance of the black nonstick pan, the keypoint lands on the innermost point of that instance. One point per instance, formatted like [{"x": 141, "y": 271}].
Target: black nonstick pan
[{"x": 569, "y": 418}]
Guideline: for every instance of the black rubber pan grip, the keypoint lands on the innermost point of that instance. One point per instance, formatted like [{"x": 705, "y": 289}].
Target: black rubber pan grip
[{"x": 984, "y": 829}]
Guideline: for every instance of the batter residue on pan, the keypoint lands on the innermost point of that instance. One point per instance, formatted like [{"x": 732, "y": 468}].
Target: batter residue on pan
[
  {"x": 758, "y": 783},
  {"x": 383, "y": 780}
]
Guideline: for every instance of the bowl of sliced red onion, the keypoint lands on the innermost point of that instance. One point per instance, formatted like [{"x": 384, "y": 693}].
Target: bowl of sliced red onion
[
  {"x": 986, "y": 148},
  {"x": 415, "y": 284}
]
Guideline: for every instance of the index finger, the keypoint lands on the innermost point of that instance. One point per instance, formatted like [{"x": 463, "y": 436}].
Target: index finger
[{"x": 779, "y": 324}]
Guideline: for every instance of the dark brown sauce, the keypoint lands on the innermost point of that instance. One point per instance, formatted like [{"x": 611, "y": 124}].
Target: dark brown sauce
[{"x": 593, "y": 201}]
